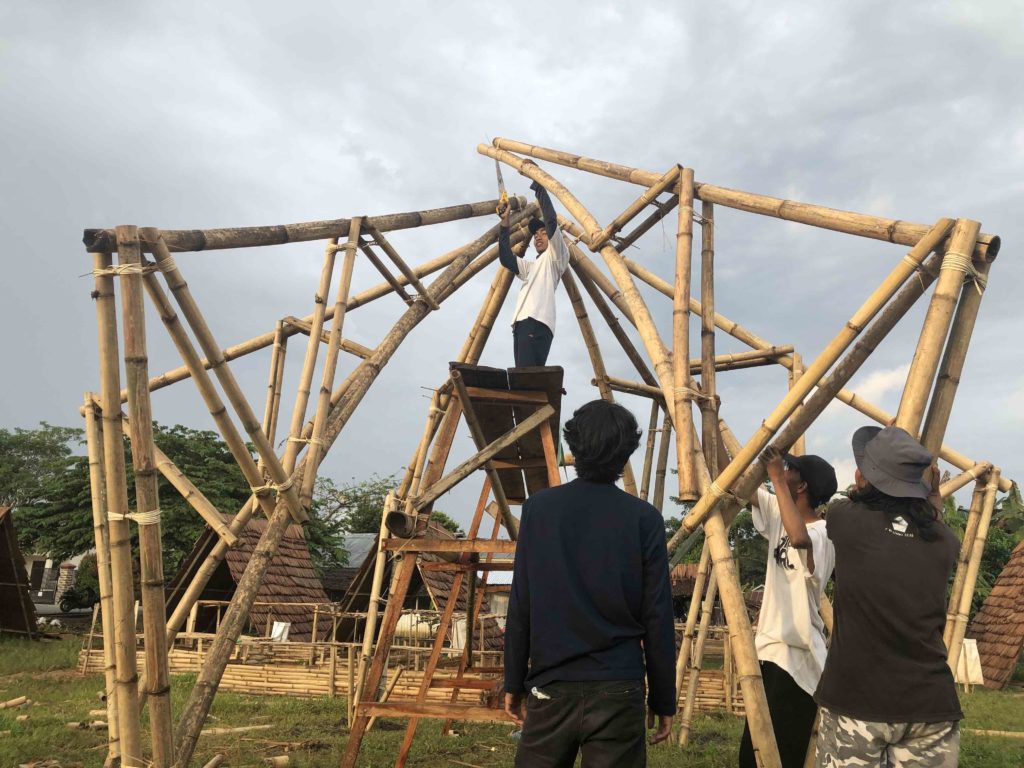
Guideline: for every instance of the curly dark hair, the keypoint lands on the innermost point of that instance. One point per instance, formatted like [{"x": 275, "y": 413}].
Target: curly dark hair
[
  {"x": 918, "y": 511},
  {"x": 601, "y": 436}
]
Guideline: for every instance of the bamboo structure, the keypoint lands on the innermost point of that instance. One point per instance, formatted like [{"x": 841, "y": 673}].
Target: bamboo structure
[
  {"x": 715, "y": 471},
  {"x": 963, "y": 560}
]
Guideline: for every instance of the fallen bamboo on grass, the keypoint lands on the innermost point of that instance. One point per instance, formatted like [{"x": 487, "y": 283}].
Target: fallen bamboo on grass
[
  {"x": 234, "y": 729},
  {"x": 15, "y": 702},
  {"x": 216, "y": 761}
]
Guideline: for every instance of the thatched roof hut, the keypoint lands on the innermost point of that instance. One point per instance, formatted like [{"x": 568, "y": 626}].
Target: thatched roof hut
[
  {"x": 999, "y": 625},
  {"x": 290, "y": 579},
  {"x": 17, "y": 613}
]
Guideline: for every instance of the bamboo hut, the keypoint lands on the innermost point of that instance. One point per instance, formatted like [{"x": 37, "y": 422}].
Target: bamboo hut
[
  {"x": 17, "y": 612},
  {"x": 999, "y": 626},
  {"x": 290, "y": 579}
]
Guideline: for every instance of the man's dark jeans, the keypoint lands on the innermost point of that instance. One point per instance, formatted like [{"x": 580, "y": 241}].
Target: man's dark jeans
[
  {"x": 531, "y": 340},
  {"x": 604, "y": 719}
]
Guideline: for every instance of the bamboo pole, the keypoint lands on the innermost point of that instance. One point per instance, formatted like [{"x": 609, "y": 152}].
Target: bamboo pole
[
  {"x": 392, "y": 254},
  {"x": 799, "y": 448},
  {"x": 379, "y": 265},
  {"x": 280, "y": 351},
  {"x": 315, "y": 454},
  {"x": 971, "y": 574},
  {"x": 698, "y": 659},
  {"x": 100, "y": 240},
  {"x": 862, "y": 225},
  {"x": 692, "y": 614},
  {"x": 387, "y": 693},
  {"x": 831, "y": 384},
  {"x": 361, "y": 380},
  {"x": 709, "y": 398},
  {"x": 937, "y": 321},
  {"x": 659, "y": 473},
  {"x": 788, "y": 405},
  {"x": 123, "y": 598},
  {"x": 964, "y": 558},
  {"x": 151, "y": 567},
  {"x": 954, "y": 356},
  {"x": 649, "y": 196},
  {"x": 682, "y": 395},
  {"x": 94, "y": 442},
  {"x": 663, "y": 209},
  {"x": 652, "y": 434},
  {"x": 596, "y": 362},
  {"x": 954, "y": 484}
]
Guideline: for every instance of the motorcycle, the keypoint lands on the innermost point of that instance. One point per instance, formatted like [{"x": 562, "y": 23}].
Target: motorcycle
[{"x": 78, "y": 597}]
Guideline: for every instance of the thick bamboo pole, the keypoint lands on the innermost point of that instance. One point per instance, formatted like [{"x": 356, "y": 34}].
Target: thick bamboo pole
[
  {"x": 362, "y": 378},
  {"x": 399, "y": 262},
  {"x": 709, "y": 398},
  {"x": 647, "y": 198},
  {"x": 698, "y": 659},
  {"x": 863, "y": 225},
  {"x": 314, "y": 453},
  {"x": 100, "y": 240},
  {"x": 682, "y": 413},
  {"x": 645, "y": 226},
  {"x": 955, "y": 264},
  {"x": 151, "y": 566},
  {"x": 953, "y": 358},
  {"x": 971, "y": 574},
  {"x": 964, "y": 558},
  {"x": 279, "y": 481},
  {"x": 94, "y": 442},
  {"x": 596, "y": 362},
  {"x": 799, "y": 448},
  {"x": 692, "y": 614},
  {"x": 389, "y": 278},
  {"x": 842, "y": 340},
  {"x": 652, "y": 434},
  {"x": 828, "y": 387},
  {"x": 276, "y": 378},
  {"x": 123, "y": 597}
]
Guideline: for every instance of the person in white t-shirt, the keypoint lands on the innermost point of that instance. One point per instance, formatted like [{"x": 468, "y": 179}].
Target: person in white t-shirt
[
  {"x": 790, "y": 637},
  {"x": 533, "y": 323}
]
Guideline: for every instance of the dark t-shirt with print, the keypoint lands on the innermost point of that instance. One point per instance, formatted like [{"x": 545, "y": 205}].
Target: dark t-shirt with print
[{"x": 887, "y": 661}]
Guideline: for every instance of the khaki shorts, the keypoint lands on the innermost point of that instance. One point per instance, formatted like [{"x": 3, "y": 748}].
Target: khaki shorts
[{"x": 845, "y": 742}]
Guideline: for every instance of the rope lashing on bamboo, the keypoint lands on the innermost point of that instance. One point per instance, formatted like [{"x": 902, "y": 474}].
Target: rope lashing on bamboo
[
  {"x": 963, "y": 263},
  {"x": 692, "y": 394},
  {"x": 702, "y": 220},
  {"x": 720, "y": 493},
  {"x": 141, "y": 518},
  {"x": 121, "y": 269},
  {"x": 310, "y": 440},
  {"x": 277, "y": 488},
  {"x": 346, "y": 247}
]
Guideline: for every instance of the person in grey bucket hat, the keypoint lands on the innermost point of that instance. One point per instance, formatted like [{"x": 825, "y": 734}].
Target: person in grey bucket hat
[{"x": 886, "y": 695}]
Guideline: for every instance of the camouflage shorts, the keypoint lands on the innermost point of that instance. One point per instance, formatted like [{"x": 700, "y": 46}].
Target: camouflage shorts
[{"x": 844, "y": 742}]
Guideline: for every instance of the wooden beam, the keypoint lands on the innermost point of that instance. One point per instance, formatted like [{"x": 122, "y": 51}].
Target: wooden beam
[{"x": 502, "y": 546}]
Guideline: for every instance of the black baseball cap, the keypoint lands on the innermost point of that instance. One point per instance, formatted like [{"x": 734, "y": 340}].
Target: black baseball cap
[
  {"x": 535, "y": 224},
  {"x": 819, "y": 475}
]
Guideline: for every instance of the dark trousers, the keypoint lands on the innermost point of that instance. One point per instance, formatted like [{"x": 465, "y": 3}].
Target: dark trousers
[
  {"x": 792, "y": 710},
  {"x": 603, "y": 719},
  {"x": 532, "y": 342}
]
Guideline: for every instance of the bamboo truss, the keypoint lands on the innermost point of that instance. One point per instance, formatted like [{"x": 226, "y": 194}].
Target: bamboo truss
[{"x": 715, "y": 472}]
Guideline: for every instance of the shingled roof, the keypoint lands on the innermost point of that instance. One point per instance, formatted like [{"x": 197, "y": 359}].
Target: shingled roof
[
  {"x": 289, "y": 579},
  {"x": 17, "y": 613},
  {"x": 999, "y": 625}
]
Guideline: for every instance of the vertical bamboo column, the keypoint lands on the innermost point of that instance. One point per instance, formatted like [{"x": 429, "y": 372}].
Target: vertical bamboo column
[
  {"x": 151, "y": 565},
  {"x": 707, "y": 607},
  {"x": 709, "y": 397},
  {"x": 682, "y": 415},
  {"x": 596, "y": 361},
  {"x": 953, "y": 358},
  {"x": 652, "y": 434},
  {"x": 971, "y": 575},
  {"x": 273, "y": 405},
  {"x": 123, "y": 597},
  {"x": 966, "y": 547},
  {"x": 314, "y": 454},
  {"x": 94, "y": 441},
  {"x": 659, "y": 473},
  {"x": 799, "y": 448},
  {"x": 955, "y": 263}
]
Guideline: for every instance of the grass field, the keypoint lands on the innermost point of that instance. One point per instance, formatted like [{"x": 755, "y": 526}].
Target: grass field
[{"x": 316, "y": 732}]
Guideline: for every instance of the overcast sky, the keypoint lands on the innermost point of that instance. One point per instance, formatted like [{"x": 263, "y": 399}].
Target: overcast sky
[{"x": 199, "y": 115}]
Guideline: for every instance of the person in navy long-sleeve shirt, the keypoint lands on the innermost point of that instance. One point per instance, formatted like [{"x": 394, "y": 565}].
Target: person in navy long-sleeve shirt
[{"x": 591, "y": 609}]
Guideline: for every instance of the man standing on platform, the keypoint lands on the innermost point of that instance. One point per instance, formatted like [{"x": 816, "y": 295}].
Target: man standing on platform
[
  {"x": 533, "y": 323},
  {"x": 790, "y": 638},
  {"x": 590, "y": 609}
]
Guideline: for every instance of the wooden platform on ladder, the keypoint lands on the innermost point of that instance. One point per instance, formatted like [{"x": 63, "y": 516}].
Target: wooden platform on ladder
[{"x": 513, "y": 418}]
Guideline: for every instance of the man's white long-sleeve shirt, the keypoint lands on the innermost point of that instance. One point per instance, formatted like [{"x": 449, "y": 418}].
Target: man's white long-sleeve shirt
[{"x": 540, "y": 278}]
